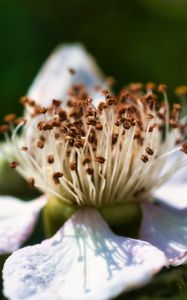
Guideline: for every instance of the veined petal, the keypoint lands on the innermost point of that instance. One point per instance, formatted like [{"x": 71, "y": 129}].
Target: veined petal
[
  {"x": 167, "y": 230},
  {"x": 17, "y": 220},
  {"x": 83, "y": 261},
  {"x": 54, "y": 79}
]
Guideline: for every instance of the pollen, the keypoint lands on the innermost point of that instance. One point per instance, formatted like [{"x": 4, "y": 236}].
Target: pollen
[{"x": 95, "y": 153}]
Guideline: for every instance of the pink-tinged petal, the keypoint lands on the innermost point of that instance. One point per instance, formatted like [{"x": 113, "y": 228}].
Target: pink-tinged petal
[
  {"x": 17, "y": 221},
  {"x": 55, "y": 78},
  {"x": 166, "y": 229},
  {"x": 85, "y": 260}
]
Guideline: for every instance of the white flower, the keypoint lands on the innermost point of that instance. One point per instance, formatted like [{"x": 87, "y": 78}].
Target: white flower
[{"x": 94, "y": 155}]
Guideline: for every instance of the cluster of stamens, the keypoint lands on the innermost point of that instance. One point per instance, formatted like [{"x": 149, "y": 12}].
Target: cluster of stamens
[{"x": 98, "y": 153}]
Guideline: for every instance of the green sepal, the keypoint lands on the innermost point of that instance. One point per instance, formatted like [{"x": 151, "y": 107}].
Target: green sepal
[{"x": 123, "y": 218}]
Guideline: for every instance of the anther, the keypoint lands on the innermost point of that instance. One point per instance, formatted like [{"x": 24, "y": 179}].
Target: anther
[
  {"x": 14, "y": 164},
  {"x": 4, "y": 128},
  {"x": 50, "y": 159},
  {"x": 149, "y": 151},
  {"x": 24, "y": 148},
  {"x": 9, "y": 118},
  {"x": 99, "y": 126},
  {"x": 89, "y": 171},
  {"x": 114, "y": 138},
  {"x": 56, "y": 103},
  {"x": 73, "y": 166},
  {"x": 56, "y": 177},
  {"x": 86, "y": 160},
  {"x": 162, "y": 88},
  {"x": 72, "y": 71},
  {"x": 40, "y": 144},
  {"x": 144, "y": 158},
  {"x": 127, "y": 125},
  {"x": 173, "y": 123},
  {"x": 184, "y": 147},
  {"x": 31, "y": 182},
  {"x": 100, "y": 159}
]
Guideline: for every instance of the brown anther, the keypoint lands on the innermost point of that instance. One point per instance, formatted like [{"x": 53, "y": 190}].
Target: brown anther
[
  {"x": 89, "y": 171},
  {"x": 57, "y": 136},
  {"x": 79, "y": 144},
  {"x": 40, "y": 144},
  {"x": 56, "y": 177},
  {"x": 62, "y": 115},
  {"x": 50, "y": 159},
  {"x": 72, "y": 71},
  {"x": 14, "y": 164},
  {"x": 31, "y": 182},
  {"x": 24, "y": 100},
  {"x": 55, "y": 123},
  {"x": 149, "y": 116},
  {"x": 144, "y": 158},
  {"x": 100, "y": 159},
  {"x": 122, "y": 110},
  {"x": 177, "y": 107},
  {"x": 99, "y": 126},
  {"x": 105, "y": 92},
  {"x": 56, "y": 103},
  {"x": 20, "y": 121},
  {"x": 173, "y": 123},
  {"x": 111, "y": 101},
  {"x": 136, "y": 87},
  {"x": 101, "y": 106},
  {"x": 110, "y": 81},
  {"x": 181, "y": 90},
  {"x": 150, "y": 86},
  {"x": 73, "y": 166},
  {"x": 149, "y": 151},
  {"x": 114, "y": 138},
  {"x": 86, "y": 160},
  {"x": 91, "y": 121},
  {"x": 162, "y": 88},
  {"x": 9, "y": 118},
  {"x": 4, "y": 128},
  {"x": 127, "y": 125},
  {"x": 24, "y": 148},
  {"x": 124, "y": 95},
  {"x": 31, "y": 102},
  {"x": 155, "y": 125},
  {"x": 42, "y": 110},
  {"x": 117, "y": 122},
  {"x": 184, "y": 147}
]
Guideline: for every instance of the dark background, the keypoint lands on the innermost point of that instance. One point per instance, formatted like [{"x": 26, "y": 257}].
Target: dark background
[{"x": 135, "y": 40}]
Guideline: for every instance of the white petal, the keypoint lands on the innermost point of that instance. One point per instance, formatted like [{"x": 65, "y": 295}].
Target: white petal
[
  {"x": 173, "y": 194},
  {"x": 83, "y": 261},
  {"x": 167, "y": 230},
  {"x": 17, "y": 220},
  {"x": 174, "y": 191},
  {"x": 54, "y": 78}
]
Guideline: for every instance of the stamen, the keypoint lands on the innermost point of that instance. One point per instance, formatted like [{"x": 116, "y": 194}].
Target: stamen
[{"x": 98, "y": 152}]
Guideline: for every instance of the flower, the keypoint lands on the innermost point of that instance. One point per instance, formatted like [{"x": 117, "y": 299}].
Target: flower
[
  {"x": 95, "y": 156},
  {"x": 53, "y": 80}
]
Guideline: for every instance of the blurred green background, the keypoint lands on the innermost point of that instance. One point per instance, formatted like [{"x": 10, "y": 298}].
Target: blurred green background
[{"x": 136, "y": 40}]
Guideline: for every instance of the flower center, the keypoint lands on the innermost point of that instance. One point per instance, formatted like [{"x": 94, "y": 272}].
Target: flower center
[{"x": 99, "y": 154}]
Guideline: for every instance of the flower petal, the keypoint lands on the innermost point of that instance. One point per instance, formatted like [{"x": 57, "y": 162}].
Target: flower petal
[
  {"x": 54, "y": 78},
  {"x": 167, "y": 230},
  {"x": 174, "y": 192},
  {"x": 83, "y": 261},
  {"x": 17, "y": 220}
]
